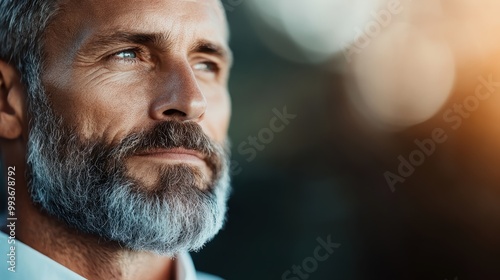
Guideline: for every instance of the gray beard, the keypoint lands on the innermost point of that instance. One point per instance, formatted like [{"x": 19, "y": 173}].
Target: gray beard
[{"x": 84, "y": 184}]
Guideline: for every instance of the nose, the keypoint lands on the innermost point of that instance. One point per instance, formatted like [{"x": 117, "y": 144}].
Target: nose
[{"x": 179, "y": 95}]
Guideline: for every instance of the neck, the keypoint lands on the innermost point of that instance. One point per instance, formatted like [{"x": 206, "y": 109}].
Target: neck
[{"x": 84, "y": 254}]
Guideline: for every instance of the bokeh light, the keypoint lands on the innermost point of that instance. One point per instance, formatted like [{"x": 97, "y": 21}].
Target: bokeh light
[
  {"x": 404, "y": 77},
  {"x": 321, "y": 28}
]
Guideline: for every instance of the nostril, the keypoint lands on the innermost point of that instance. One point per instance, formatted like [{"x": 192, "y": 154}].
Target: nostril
[{"x": 173, "y": 113}]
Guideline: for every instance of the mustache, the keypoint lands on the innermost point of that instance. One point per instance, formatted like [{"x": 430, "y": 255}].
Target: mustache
[{"x": 169, "y": 135}]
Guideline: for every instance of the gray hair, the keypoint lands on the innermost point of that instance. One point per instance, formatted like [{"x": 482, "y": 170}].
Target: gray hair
[
  {"x": 22, "y": 29},
  {"x": 180, "y": 215}
]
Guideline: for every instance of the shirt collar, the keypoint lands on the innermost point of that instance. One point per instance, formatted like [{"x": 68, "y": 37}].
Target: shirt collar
[
  {"x": 185, "y": 267},
  {"x": 31, "y": 264}
]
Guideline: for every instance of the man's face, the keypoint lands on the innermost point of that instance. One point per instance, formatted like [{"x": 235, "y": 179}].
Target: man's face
[
  {"x": 116, "y": 67},
  {"x": 132, "y": 146}
]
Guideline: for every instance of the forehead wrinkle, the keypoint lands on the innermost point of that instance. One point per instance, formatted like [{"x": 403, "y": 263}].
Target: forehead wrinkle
[
  {"x": 107, "y": 40},
  {"x": 86, "y": 24}
]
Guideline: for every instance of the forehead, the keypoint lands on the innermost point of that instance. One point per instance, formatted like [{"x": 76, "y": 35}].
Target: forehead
[{"x": 183, "y": 19}]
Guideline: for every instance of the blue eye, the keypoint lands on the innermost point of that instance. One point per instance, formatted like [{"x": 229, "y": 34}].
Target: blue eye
[
  {"x": 206, "y": 66},
  {"x": 127, "y": 54}
]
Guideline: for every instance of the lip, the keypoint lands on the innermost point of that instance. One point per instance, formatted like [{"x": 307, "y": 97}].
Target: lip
[{"x": 175, "y": 155}]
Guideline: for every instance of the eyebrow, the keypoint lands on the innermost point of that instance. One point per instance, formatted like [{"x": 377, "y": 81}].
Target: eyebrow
[
  {"x": 159, "y": 40},
  {"x": 211, "y": 48}
]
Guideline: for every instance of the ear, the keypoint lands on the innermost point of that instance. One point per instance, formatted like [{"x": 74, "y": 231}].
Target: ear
[{"x": 12, "y": 96}]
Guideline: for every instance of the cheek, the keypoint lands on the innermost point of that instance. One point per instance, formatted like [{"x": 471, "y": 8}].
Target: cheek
[
  {"x": 218, "y": 115},
  {"x": 101, "y": 106}
]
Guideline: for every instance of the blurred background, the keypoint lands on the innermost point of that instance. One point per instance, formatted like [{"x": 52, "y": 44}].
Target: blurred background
[
  {"x": 369, "y": 129},
  {"x": 392, "y": 152}
]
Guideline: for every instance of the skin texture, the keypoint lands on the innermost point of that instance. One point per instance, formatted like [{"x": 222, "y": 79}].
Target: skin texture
[{"x": 112, "y": 68}]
